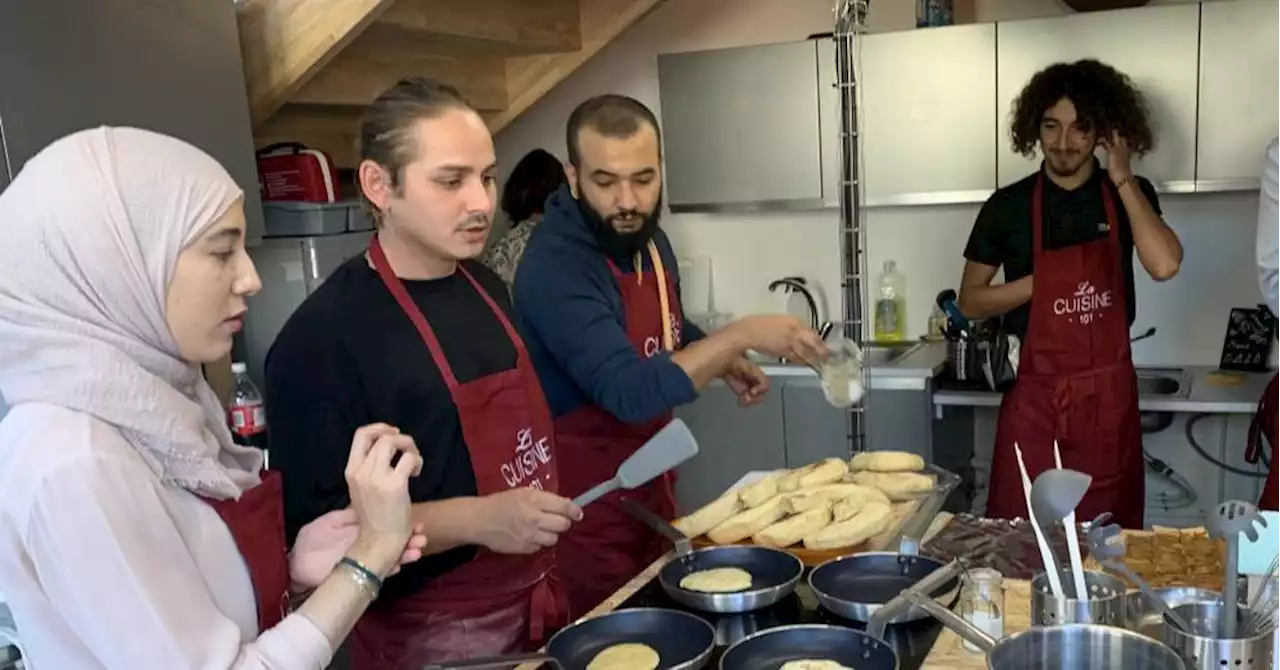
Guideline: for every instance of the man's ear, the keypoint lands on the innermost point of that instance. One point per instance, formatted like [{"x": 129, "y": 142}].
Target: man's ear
[
  {"x": 571, "y": 174},
  {"x": 375, "y": 183}
]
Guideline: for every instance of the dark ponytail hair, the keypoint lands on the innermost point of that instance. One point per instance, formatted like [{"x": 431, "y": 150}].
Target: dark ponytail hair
[
  {"x": 386, "y": 128},
  {"x": 534, "y": 178}
]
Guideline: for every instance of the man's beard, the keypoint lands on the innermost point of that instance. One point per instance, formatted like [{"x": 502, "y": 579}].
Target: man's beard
[
  {"x": 614, "y": 243},
  {"x": 1069, "y": 165}
]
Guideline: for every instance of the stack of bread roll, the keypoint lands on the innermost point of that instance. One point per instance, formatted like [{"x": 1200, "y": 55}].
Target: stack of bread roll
[{"x": 830, "y": 504}]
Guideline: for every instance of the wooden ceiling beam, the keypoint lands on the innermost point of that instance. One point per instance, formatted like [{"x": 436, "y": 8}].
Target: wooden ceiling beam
[
  {"x": 494, "y": 27},
  {"x": 531, "y": 77},
  {"x": 286, "y": 42},
  {"x": 371, "y": 65}
]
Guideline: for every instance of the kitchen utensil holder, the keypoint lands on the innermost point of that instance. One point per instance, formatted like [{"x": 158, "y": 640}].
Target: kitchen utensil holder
[
  {"x": 1202, "y": 649},
  {"x": 1105, "y": 605}
]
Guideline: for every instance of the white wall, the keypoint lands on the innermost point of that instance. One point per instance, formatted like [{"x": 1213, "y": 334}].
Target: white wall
[{"x": 750, "y": 250}]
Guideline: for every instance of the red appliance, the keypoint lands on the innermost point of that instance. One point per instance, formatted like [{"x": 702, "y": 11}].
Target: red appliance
[{"x": 290, "y": 171}]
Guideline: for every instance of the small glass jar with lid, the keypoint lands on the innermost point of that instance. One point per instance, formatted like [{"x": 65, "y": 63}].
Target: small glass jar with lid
[{"x": 982, "y": 603}]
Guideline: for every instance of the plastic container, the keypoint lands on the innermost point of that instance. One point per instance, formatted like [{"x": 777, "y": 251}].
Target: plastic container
[
  {"x": 891, "y": 304},
  {"x": 309, "y": 219}
]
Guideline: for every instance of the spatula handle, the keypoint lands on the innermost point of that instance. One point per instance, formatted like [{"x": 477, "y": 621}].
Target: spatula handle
[{"x": 596, "y": 493}]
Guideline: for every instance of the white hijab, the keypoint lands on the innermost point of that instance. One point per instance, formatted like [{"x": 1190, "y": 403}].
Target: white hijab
[{"x": 90, "y": 232}]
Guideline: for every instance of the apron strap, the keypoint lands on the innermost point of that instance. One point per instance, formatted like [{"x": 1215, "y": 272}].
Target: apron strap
[
  {"x": 393, "y": 284},
  {"x": 659, "y": 270},
  {"x": 497, "y": 311},
  {"x": 398, "y": 291}
]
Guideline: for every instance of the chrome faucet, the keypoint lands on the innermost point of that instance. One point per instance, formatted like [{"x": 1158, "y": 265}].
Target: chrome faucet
[{"x": 799, "y": 285}]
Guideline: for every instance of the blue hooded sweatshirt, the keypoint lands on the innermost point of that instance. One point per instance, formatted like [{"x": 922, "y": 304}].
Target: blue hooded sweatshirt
[{"x": 569, "y": 312}]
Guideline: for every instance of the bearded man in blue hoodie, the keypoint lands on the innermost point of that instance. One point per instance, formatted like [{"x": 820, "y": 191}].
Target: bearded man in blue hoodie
[{"x": 597, "y": 303}]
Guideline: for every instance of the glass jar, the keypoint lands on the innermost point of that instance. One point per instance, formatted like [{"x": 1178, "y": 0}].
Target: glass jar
[
  {"x": 982, "y": 603},
  {"x": 841, "y": 373}
]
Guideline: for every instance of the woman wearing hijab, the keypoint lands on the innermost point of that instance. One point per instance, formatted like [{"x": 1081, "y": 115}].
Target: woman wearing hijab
[
  {"x": 134, "y": 535},
  {"x": 535, "y": 177}
]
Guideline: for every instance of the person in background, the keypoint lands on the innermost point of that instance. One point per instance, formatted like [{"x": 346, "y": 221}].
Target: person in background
[
  {"x": 1065, "y": 237},
  {"x": 1266, "y": 422},
  {"x": 535, "y": 177},
  {"x": 597, "y": 300},
  {"x": 134, "y": 535},
  {"x": 417, "y": 334}
]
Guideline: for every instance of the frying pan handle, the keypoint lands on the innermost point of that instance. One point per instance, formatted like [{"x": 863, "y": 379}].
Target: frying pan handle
[
  {"x": 951, "y": 620},
  {"x": 683, "y": 546},
  {"x": 495, "y": 662},
  {"x": 899, "y": 604}
]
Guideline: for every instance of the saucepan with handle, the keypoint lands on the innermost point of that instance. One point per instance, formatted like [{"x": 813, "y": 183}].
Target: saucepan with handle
[
  {"x": 774, "y": 572},
  {"x": 682, "y": 641},
  {"x": 851, "y": 648},
  {"x": 1075, "y": 646}
]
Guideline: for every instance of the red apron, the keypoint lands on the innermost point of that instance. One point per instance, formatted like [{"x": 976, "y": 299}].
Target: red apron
[
  {"x": 609, "y": 546},
  {"x": 495, "y": 604},
  {"x": 1076, "y": 382},
  {"x": 256, "y": 522},
  {"x": 1266, "y": 423}
]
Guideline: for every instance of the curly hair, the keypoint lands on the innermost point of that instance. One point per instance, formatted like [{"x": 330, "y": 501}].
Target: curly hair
[
  {"x": 1106, "y": 101},
  {"x": 534, "y": 178}
]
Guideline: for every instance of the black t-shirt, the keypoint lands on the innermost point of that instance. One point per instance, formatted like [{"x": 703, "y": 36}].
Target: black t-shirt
[
  {"x": 1002, "y": 235},
  {"x": 348, "y": 357}
]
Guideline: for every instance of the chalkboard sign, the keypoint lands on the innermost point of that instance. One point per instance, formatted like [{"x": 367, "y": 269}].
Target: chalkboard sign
[{"x": 1247, "y": 345}]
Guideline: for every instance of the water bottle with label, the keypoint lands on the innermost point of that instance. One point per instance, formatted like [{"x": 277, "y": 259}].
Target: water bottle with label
[{"x": 891, "y": 304}]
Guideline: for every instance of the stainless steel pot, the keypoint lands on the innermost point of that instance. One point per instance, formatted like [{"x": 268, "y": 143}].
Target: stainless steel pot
[{"x": 1062, "y": 647}]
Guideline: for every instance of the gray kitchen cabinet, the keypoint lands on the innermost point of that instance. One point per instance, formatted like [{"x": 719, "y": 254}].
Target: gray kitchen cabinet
[
  {"x": 1238, "y": 112},
  {"x": 741, "y": 127},
  {"x": 910, "y": 80},
  {"x": 1157, "y": 47},
  {"x": 814, "y": 429},
  {"x": 901, "y": 419},
  {"x": 171, "y": 67},
  {"x": 732, "y": 441}
]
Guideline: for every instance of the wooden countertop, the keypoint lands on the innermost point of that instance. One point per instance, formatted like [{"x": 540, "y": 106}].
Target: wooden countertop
[{"x": 948, "y": 651}]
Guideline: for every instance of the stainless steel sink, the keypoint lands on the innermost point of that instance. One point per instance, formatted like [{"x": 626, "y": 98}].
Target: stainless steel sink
[
  {"x": 883, "y": 354},
  {"x": 1162, "y": 382}
]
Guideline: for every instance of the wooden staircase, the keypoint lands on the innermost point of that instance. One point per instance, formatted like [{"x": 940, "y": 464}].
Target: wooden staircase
[{"x": 311, "y": 65}]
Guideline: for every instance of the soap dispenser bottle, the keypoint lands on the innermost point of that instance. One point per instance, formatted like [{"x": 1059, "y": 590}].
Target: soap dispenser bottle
[{"x": 891, "y": 304}]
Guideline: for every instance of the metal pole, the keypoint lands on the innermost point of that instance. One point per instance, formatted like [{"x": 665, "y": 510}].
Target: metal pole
[{"x": 851, "y": 18}]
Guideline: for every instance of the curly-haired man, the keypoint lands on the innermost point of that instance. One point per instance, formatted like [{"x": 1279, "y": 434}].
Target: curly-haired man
[{"x": 1066, "y": 237}]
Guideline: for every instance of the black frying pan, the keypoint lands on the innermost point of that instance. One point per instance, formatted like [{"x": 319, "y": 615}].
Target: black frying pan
[
  {"x": 856, "y": 586},
  {"x": 774, "y": 572},
  {"x": 772, "y": 648},
  {"x": 682, "y": 640}
]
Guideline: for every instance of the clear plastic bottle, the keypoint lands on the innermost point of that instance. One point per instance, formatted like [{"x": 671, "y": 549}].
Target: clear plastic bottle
[
  {"x": 891, "y": 304},
  {"x": 247, "y": 415},
  {"x": 982, "y": 603}
]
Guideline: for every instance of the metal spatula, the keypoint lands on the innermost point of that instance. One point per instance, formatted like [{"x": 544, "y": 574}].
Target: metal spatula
[{"x": 669, "y": 447}]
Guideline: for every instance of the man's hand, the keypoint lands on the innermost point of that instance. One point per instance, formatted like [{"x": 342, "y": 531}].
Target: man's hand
[
  {"x": 1118, "y": 158},
  {"x": 524, "y": 520},
  {"x": 747, "y": 381},
  {"x": 782, "y": 336}
]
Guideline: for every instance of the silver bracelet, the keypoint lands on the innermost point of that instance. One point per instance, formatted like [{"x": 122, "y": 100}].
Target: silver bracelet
[{"x": 360, "y": 578}]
